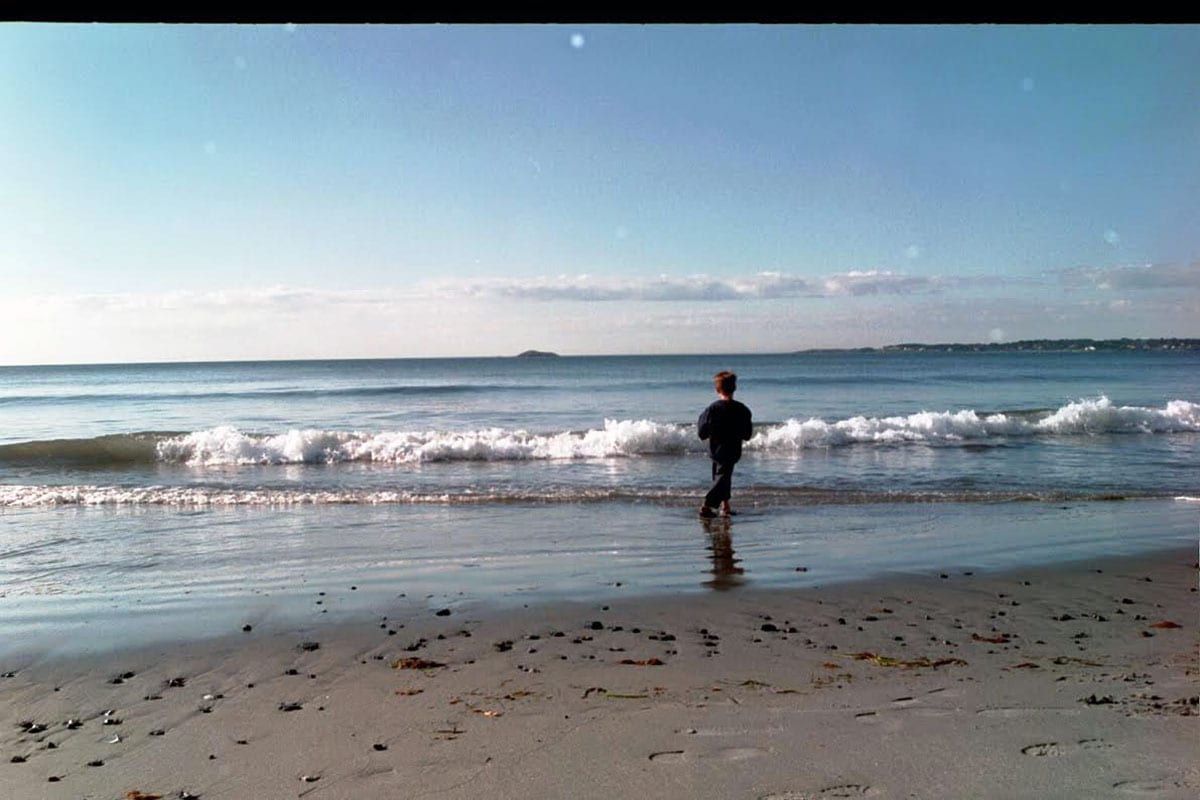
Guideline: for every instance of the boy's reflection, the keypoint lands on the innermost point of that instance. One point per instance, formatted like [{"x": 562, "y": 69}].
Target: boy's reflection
[{"x": 726, "y": 572}]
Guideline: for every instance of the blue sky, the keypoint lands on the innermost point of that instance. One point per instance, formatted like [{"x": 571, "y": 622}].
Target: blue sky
[{"x": 269, "y": 191}]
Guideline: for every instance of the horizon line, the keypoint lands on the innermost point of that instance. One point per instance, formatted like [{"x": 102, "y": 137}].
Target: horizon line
[{"x": 553, "y": 354}]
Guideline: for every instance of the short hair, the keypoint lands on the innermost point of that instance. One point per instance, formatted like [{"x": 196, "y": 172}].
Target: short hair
[{"x": 725, "y": 382}]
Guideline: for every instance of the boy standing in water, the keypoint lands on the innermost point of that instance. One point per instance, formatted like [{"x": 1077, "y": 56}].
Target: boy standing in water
[{"x": 725, "y": 424}]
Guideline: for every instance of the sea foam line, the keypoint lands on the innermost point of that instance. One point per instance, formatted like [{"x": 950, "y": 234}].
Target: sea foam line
[
  {"x": 1084, "y": 417},
  {"x": 227, "y": 445},
  {"x": 95, "y": 496}
]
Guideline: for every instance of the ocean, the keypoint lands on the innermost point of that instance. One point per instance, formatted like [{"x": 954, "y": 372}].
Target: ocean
[{"x": 169, "y": 497}]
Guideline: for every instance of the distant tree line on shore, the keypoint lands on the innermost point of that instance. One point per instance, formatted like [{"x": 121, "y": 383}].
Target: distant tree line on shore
[{"x": 1037, "y": 345}]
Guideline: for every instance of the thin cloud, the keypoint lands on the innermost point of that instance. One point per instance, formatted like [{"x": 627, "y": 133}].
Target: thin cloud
[
  {"x": 282, "y": 322},
  {"x": 268, "y": 298},
  {"x": 580, "y": 289},
  {"x": 876, "y": 282},
  {"x": 664, "y": 288},
  {"x": 563, "y": 288},
  {"x": 1150, "y": 276}
]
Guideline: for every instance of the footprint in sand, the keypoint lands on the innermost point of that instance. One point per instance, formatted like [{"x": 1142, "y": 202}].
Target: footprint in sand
[
  {"x": 1056, "y": 749},
  {"x": 1148, "y": 788},
  {"x": 1044, "y": 749},
  {"x": 1093, "y": 744},
  {"x": 829, "y": 792}
]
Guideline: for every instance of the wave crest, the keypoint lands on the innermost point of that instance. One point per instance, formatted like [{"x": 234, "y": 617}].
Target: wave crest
[
  {"x": 1082, "y": 417},
  {"x": 1101, "y": 416},
  {"x": 226, "y": 445}
]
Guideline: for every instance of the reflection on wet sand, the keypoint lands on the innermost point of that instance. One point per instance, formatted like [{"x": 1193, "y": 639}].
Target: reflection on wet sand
[{"x": 726, "y": 572}]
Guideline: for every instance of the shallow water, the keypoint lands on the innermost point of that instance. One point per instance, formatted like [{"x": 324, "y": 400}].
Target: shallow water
[
  {"x": 848, "y": 428},
  {"x": 141, "y": 498},
  {"x": 165, "y": 573}
]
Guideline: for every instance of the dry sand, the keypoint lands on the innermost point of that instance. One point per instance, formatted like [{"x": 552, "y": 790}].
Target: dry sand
[{"x": 1058, "y": 682}]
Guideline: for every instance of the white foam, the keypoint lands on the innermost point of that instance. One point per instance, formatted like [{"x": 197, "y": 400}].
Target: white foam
[
  {"x": 18, "y": 496},
  {"x": 1101, "y": 416},
  {"x": 621, "y": 438},
  {"x": 1082, "y": 417},
  {"x": 925, "y": 426},
  {"x": 14, "y": 496},
  {"x": 226, "y": 445}
]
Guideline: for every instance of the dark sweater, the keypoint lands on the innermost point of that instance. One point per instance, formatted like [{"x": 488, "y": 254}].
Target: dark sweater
[{"x": 725, "y": 424}]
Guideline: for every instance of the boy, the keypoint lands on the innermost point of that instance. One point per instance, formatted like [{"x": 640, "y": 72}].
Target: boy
[{"x": 725, "y": 424}]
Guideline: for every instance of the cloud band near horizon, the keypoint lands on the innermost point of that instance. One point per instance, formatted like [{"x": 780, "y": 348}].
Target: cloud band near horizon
[
  {"x": 764, "y": 312},
  {"x": 663, "y": 288}
]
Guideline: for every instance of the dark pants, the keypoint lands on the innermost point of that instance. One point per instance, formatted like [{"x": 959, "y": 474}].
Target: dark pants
[{"x": 721, "y": 486}]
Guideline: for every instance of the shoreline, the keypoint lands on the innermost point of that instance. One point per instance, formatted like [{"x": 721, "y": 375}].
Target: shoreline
[
  {"x": 1027, "y": 682},
  {"x": 181, "y": 582}
]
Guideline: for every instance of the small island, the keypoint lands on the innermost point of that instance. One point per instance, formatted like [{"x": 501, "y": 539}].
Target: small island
[{"x": 537, "y": 354}]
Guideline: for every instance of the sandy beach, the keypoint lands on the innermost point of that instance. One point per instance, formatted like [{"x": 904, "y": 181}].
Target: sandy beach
[{"x": 1077, "y": 680}]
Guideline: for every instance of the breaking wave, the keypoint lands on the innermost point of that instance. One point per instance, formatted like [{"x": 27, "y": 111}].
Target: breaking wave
[
  {"x": 1085, "y": 417},
  {"x": 225, "y": 445}
]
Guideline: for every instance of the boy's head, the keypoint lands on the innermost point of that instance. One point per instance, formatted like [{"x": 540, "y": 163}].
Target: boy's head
[{"x": 725, "y": 383}]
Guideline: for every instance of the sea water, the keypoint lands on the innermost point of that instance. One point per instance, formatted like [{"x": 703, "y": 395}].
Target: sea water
[{"x": 151, "y": 492}]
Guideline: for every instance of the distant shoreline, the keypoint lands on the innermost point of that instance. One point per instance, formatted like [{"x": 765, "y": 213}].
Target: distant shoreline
[
  {"x": 1028, "y": 346},
  {"x": 1176, "y": 344}
]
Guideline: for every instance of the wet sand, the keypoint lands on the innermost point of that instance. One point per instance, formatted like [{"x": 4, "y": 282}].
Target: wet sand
[{"x": 1069, "y": 681}]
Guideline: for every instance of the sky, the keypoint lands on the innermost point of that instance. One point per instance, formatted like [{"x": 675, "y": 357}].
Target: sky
[{"x": 213, "y": 192}]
